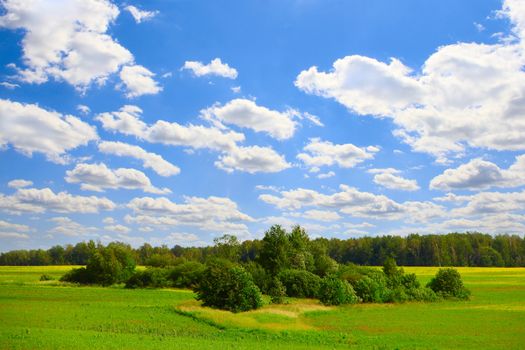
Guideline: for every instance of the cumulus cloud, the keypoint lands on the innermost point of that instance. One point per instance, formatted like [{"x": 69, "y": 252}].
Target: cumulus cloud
[
  {"x": 19, "y": 183},
  {"x": 67, "y": 227},
  {"x": 354, "y": 203},
  {"x": 247, "y": 114},
  {"x": 481, "y": 174},
  {"x": 251, "y": 159},
  {"x": 29, "y": 128},
  {"x": 149, "y": 160},
  {"x": 137, "y": 81},
  {"x": 217, "y": 214},
  {"x": 8, "y": 226},
  {"x": 140, "y": 15},
  {"x": 117, "y": 228},
  {"x": 13, "y": 235},
  {"x": 41, "y": 200},
  {"x": 66, "y": 40},
  {"x": 318, "y": 153},
  {"x": 390, "y": 179},
  {"x": 215, "y": 67},
  {"x": 326, "y": 175},
  {"x": 466, "y": 94},
  {"x": 98, "y": 177},
  {"x": 321, "y": 215}
]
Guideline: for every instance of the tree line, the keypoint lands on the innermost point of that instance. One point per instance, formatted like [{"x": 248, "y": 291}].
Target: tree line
[
  {"x": 288, "y": 265},
  {"x": 453, "y": 249}
]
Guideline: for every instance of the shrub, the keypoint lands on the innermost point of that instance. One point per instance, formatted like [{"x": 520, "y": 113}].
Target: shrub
[
  {"x": 300, "y": 283},
  {"x": 448, "y": 284},
  {"x": 106, "y": 266},
  {"x": 372, "y": 289},
  {"x": 260, "y": 276},
  {"x": 229, "y": 287},
  {"x": 394, "y": 274},
  {"x": 187, "y": 274},
  {"x": 277, "y": 291},
  {"x": 149, "y": 278},
  {"x": 422, "y": 294},
  {"x": 160, "y": 260},
  {"x": 45, "y": 277},
  {"x": 334, "y": 291}
]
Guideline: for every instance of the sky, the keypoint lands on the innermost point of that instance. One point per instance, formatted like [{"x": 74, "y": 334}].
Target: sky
[{"x": 175, "y": 122}]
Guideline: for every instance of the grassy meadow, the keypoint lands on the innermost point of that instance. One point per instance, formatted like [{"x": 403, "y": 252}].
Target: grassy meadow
[{"x": 52, "y": 315}]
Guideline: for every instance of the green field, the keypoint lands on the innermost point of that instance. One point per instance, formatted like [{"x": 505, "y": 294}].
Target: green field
[{"x": 50, "y": 315}]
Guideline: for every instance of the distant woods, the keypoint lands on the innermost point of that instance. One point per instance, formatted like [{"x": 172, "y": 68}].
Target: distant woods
[{"x": 297, "y": 251}]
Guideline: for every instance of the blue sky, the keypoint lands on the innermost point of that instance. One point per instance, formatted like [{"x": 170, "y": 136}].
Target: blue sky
[{"x": 173, "y": 122}]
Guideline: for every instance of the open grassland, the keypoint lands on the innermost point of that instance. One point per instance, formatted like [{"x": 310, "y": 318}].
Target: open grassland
[{"x": 51, "y": 315}]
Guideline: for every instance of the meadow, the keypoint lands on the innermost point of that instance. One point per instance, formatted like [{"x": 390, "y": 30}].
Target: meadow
[{"x": 51, "y": 315}]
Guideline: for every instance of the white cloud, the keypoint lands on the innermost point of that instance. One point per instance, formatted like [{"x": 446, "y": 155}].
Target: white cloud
[
  {"x": 108, "y": 220},
  {"x": 13, "y": 235},
  {"x": 66, "y": 40},
  {"x": 354, "y": 203},
  {"x": 67, "y": 227},
  {"x": 29, "y": 128},
  {"x": 481, "y": 174},
  {"x": 326, "y": 175},
  {"x": 250, "y": 159},
  {"x": 140, "y": 15},
  {"x": 321, "y": 215},
  {"x": 467, "y": 94},
  {"x": 253, "y": 159},
  {"x": 217, "y": 214},
  {"x": 149, "y": 160},
  {"x": 98, "y": 177},
  {"x": 247, "y": 114},
  {"x": 83, "y": 109},
  {"x": 236, "y": 89},
  {"x": 19, "y": 183},
  {"x": 9, "y": 85},
  {"x": 42, "y": 200},
  {"x": 318, "y": 153},
  {"x": 137, "y": 81},
  {"x": 117, "y": 228},
  {"x": 388, "y": 178},
  {"x": 8, "y": 226},
  {"x": 215, "y": 67}
]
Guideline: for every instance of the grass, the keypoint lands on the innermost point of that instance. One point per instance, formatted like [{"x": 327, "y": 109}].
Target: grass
[{"x": 51, "y": 315}]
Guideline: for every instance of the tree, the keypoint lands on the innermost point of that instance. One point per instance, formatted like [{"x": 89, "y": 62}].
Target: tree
[
  {"x": 228, "y": 247},
  {"x": 448, "y": 284},
  {"x": 227, "y": 286},
  {"x": 274, "y": 251},
  {"x": 334, "y": 291}
]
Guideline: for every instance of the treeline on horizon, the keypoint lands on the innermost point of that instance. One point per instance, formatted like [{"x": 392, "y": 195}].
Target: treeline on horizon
[{"x": 453, "y": 249}]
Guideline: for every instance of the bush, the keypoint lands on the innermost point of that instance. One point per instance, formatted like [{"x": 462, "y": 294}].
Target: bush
[
  {"x": 334, "y": 291},
  {"x": 372, "y": 289},
  {"x": 106, "y": 266},
  {"x": 300, "y": 283},
  {"x": 229, "y": 287},
  {"x": 448, "y": 284},
  {"x": 422, "y": 294},
  {"x": 149, "y": 278},
  {"x": 160, "y": 260},
  {"x": 186, "y": 275},
  {"x": 260, "y": 276},
  {"x": 46, "y": 278},
  {"x": 277, "y": 291}
]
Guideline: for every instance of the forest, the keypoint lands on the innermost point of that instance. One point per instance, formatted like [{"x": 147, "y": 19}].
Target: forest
[{"x": 453, "y": 249}]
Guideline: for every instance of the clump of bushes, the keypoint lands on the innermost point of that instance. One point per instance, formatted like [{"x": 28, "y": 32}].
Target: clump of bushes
[
  {"x": 45, "y": 277},
  {"x": 277, "y": 291},
  {"x": 184, "y": 275},
  {"x": 153, "y": 277},
  {"x": 106, "y": 266},
  {"x": 334, "y": 291},
  {"x": 227, "y": 286},
  {"x": 448, "y": 284},
  {"x": 300, "y": 283}
]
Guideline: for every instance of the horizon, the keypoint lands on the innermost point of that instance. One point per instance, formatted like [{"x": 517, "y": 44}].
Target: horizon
[{"x": 177, "y": 122}]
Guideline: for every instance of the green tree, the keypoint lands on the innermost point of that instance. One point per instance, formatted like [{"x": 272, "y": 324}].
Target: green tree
[
  {"x": 274, "y": 250},
  {"x": 334, "y": 291}
]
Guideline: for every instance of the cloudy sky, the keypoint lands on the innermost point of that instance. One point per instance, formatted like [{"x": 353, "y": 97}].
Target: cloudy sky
[{"x": 173, "y": 122}]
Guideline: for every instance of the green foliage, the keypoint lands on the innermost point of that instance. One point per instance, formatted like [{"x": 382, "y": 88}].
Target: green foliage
[
  {"x": 152, "y": 277},
  {"x": 46, "y": 277},
  {"x": 160, "y": 260},
  {"x": 300, "y": 283},
  {"x": 334, "y": 291},
  {"x": 187, "y": 274},
  {"x": 106, "y": 266},
  {"x": 228, "y": 247},
  {"x": 372, "y": 290},
  {"x": 261, "y": 277},
  {"x": 229, "y": 287},
  {"x": 448, "y": 284},
  {"x": 274, "y": 254},
  {"x": 277, "y": 291}
]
